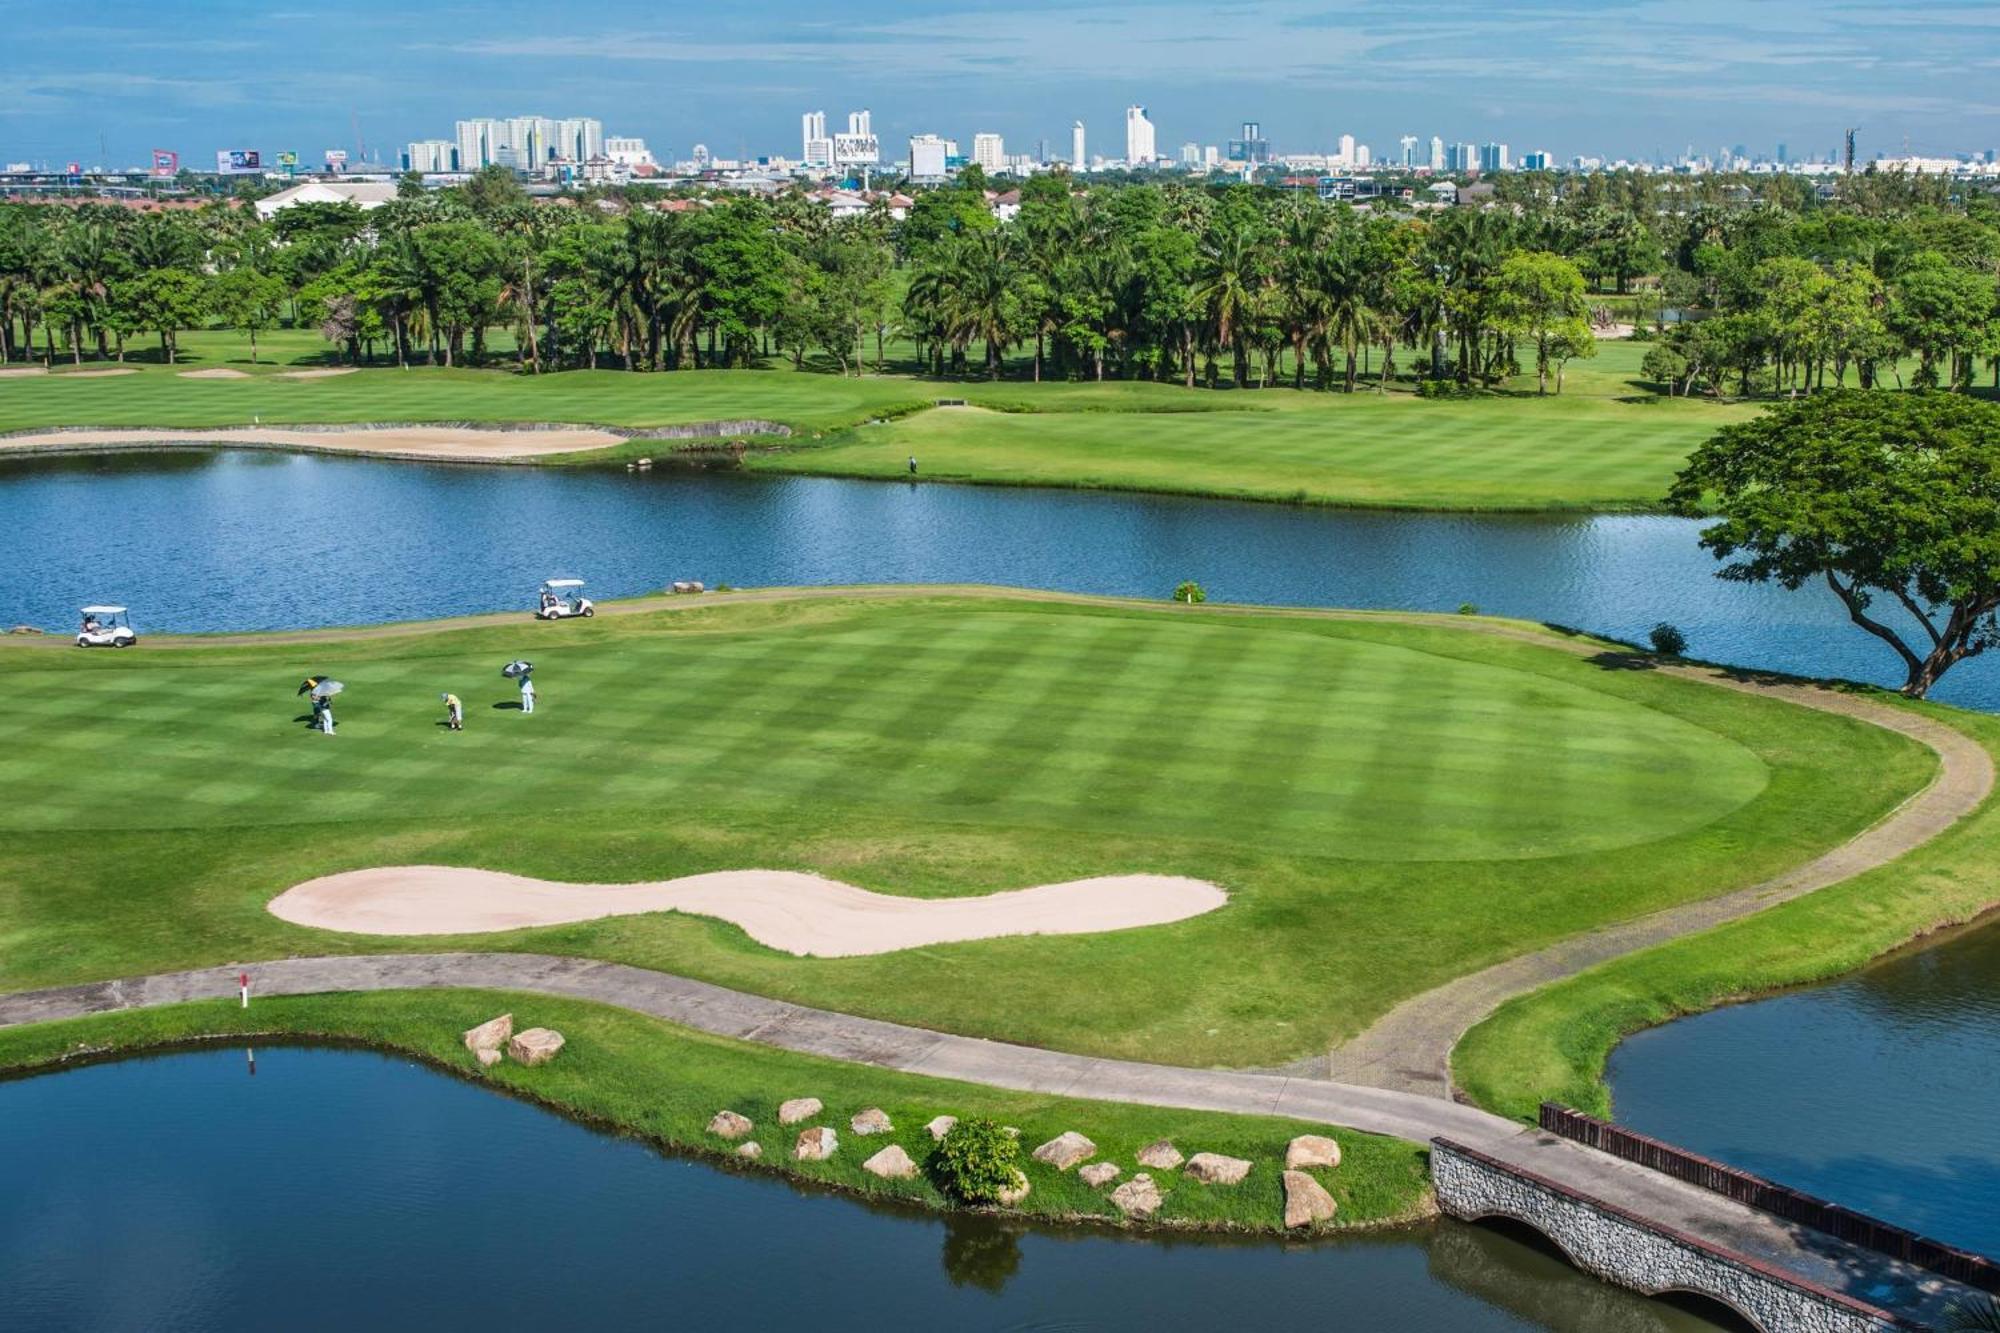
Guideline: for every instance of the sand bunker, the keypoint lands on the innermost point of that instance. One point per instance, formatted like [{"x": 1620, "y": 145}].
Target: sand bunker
[
  {"x": 327, "y": 373},
  {"x": 801, "y": 914},
  {"x": 98, "y": 374},
  {"x": 19, "y": 372},
  {"x": 219, "y": 373},
  {"x": 466, "y": 443}
]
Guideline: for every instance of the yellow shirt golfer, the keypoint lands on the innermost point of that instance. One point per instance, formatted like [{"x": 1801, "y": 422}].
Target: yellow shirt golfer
[{"x": 454, "y": 713}]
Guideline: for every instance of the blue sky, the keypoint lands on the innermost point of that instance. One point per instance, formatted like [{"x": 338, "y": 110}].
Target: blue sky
[{"x": 1618, "y": 78}]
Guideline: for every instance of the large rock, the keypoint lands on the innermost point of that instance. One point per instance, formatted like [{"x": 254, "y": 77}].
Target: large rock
[
  {"x": 1098, "y": 1173},
  {"x": 797, "y": 1109},
  {"x": 536, "y": 1046},
  {"x": 1010, "y": 1197},
  {"x": 1065, "y": 1150},
  {"x": 892, "y": 1163},
  {"x": 874, "y": 1120},
  {"x": 1311, "y": 1150},
  {"x": 1138, "y": 1197},
  {"x": 816, "y": 1145},
  {"x": 1212, "y": 1168},
  {"x": 1160, "y": 1155},
  {"x": 941, "y": 1126},
  {"x": 488, "y": 1056},
  {"x": 730, "y": 1125},
  {"x": 750, "y": 1152},
  {"x": 1306, "y": 1200},
  {"x": 490, "y": 1035}
]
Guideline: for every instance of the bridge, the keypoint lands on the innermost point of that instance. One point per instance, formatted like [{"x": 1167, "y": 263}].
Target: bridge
[{"x": 1634, "y": 1212}]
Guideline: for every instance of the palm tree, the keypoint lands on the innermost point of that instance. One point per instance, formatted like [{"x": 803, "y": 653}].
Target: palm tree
[
  {"x": 1982, "y": 1315},
  {"x": 1226, "y": 289},
  {"x": 985, "y": 300}
]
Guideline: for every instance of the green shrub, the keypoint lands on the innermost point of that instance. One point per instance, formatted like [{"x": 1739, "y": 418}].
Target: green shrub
[
  {"x": 1190, "y": 592},
  {"x": 1667, "y": 640},
  {"x": 1468, "y": 608},
  {"x": 977, "y": 1161}
]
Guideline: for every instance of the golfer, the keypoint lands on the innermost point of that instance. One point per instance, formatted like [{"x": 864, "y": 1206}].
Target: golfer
[
  {"x": 913, "y": 465},
  {"x": 325, "y": 714},
  {"x": 454, "y": 712},
  {"x": 527, "y": 694}
]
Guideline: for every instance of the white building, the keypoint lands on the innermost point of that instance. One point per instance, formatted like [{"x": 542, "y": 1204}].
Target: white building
[
  {"x": 629, "y": 152},
  {"x": 1346, "y": 155},
  {"x": 927, "y": 157},
  {"x": 1191, "y": 155},
  {"x": 431, "y": 155},
  {"x": 1139, "y": 146},
  {"x": 1363, "y": 156},
  {"x": 1437, "y": 153},
  {"x": 364, "y": 195},
  {"x": 989, "y": 152},
  {"x": 817, "y": 146},
  {"x": 1409, "y": 145},
  {"x": 1493, "y": 157},
  {"x": 1078, "y": 163},
  {"x": 527, "y": 143},
  {"x": 858, "y": 147}
]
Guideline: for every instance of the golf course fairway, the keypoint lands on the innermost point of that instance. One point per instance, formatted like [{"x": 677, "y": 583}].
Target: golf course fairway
[{"x": 1388, "y": 801}]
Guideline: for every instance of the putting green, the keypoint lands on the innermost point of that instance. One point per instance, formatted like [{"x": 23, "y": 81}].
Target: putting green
[
  {"x": 1388, "y": 804},
  {"x": 1110, "y": 723}
]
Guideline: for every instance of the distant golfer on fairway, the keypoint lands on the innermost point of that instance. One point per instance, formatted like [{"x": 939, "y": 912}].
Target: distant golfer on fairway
[
  {"x": 454, "y": 712},
  {"x": 527, "y": 694}
]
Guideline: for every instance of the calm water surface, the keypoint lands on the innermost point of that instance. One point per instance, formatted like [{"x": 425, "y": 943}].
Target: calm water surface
[
  {"x": 246, "y": 540},
  {"x": 341, "y": 1189},
  {"x": 1881, "y": 1091}
]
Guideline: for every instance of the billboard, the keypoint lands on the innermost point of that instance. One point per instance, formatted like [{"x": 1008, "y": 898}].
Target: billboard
[
  {"x": 336, "y": 159},
  {"x": 289, "y": 161},
  {"x": 166, "y": 162},
  {"x": 238, "y": 161}
]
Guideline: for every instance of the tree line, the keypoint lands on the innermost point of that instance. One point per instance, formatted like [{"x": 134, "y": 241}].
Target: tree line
[{"x": 1770, "y": 289}]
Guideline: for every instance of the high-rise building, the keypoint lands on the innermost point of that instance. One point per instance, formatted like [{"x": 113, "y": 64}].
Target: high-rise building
[
  {"x": 1409, "y": 143},
  {"x": 1139, "y": 148},
  {"x": 1462, "y": 157},
  {"x": 478, "y": 141},
  {"x": 578, "y": 139},
  {"x": 1191, "y": 155},
  {"x": 927, "y": 157},
  {"x": 1363, "y": 155},
  {"x": 1493, "y": 157},
  {"x": 989, "y": 152},
  {"x": 1437, "y": 153},
  {"x": 858, "y": 147},
  {"x": 1078, "y": 163},
  {"x": 815, "y": 148},
  {"x": 430, "y": 155},
  {"x": 1346, "y": 154},
  {"x": 629, "y": 152},
  {"x": 1253, "y": 147},
  {"x": 1536, "y": 161}
]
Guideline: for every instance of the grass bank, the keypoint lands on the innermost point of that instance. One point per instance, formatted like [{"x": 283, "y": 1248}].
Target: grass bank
[
  {"x": 1390, "y": 802},
  {"x": 1554, "y": 1043},
  {"x": 655, "y": 1081},
  {"x": 1605, "y": 444}
]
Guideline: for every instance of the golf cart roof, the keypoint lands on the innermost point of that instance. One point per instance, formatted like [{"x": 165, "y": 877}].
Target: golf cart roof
[
  {"x": 563, "y": 583},
  {"x": 104, "y": 610}
]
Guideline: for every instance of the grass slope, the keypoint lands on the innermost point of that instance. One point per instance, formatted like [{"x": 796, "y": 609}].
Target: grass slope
[
  {"x": 1554, "y": 1042},
  {"x": 1389, "y": 803},
  {"x": 663, "y": 1083},
  {"x": 1604, "y": 444}
]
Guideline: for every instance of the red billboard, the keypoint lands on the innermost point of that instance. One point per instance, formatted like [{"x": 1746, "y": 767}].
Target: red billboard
[{"x": 166, "y": 162}]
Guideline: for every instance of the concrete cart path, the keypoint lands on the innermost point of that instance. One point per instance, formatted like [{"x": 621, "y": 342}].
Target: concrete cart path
[{"x": 1810, "y": 1256}]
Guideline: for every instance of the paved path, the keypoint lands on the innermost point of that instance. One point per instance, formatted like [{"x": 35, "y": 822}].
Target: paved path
[
  {"x": 714, "y": 1009},
  {"x": 1409, "y": 1048}
]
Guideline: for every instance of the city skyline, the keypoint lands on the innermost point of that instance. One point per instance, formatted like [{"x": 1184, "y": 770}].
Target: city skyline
[{"x": 1635, "y": 81}]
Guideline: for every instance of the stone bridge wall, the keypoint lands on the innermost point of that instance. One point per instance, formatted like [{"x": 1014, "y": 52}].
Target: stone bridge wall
[{"x": 1621, "y": 1247}]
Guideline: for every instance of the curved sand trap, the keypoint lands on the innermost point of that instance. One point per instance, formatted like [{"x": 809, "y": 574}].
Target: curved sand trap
[
  {"x": 322, "y": 374},
  {"x": 221, "y": 373},
  {"x": 105, "y": 373},
  {"x": 21, "y": 372},
  {"x": 796, "y": 913}
]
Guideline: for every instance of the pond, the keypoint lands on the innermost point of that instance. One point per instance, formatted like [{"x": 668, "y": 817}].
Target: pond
[
  {"x": 345, "y": 1189},
  {"x": 242, "y": 540}
]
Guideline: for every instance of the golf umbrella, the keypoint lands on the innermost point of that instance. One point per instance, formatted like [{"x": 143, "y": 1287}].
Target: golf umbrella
[
  {"x": 309, "y": 684},
  {"x": 326, "y": 689},
  {"x": 516, "y": 669}
]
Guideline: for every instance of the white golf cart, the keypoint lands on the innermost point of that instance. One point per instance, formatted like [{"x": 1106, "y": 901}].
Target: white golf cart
[
  {"x": 105, "y": 627},
  {"x": 562, "y": 599}
]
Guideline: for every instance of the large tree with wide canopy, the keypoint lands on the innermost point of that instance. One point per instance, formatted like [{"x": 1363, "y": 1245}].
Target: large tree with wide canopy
[{"x": 1891, "y": 499}]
